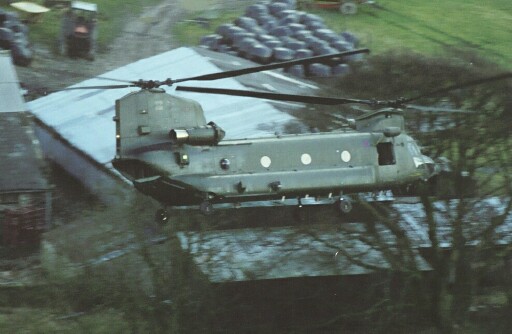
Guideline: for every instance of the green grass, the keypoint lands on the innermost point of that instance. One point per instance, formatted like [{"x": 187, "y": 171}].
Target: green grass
[
  {"x": 433, "y": 27},
  {"x": 44, "y": 320},
  {"x": 190, "y": 31}
]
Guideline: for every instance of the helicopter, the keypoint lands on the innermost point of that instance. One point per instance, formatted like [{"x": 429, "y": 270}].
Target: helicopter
[{"x": 168, "y": 150}]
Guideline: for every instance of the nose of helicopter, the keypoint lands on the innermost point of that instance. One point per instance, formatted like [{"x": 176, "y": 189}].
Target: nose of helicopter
[{"x": 426, "y": 166}]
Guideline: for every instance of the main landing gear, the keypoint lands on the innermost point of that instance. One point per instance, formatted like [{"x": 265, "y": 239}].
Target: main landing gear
[
  {"x": 299, "y": 212},
  {"x": 162, "y": 215},
  {"x": 344, "y": 205}
]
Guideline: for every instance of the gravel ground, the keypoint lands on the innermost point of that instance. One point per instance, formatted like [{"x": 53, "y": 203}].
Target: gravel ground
[{"x": 143, "y": 36}]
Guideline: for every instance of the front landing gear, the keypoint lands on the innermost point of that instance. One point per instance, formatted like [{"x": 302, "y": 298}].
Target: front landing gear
[{"x": 206, "y": 208}]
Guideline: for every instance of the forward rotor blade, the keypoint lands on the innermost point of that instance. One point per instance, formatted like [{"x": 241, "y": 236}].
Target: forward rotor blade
[
  {"x": 447, "y": 89},
  {"x": 118, "y": 80},
  {"x": 148, "y": 84},
  {"x": 275, "y": 96},
  {"x": 235, "y": 73},
  {"x": 100, "y": 87}
]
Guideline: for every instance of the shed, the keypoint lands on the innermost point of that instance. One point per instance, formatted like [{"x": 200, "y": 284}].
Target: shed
[{"x": 25, "y": 195}]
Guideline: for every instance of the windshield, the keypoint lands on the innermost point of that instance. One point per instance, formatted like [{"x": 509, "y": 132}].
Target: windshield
[{"x": 413, "y": 148}]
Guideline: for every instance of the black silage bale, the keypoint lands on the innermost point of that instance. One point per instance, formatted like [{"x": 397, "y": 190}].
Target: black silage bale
[
  {"x": 341, "y": 69},
  {"x": 319, "y": 70},
  {"x": 297, "y": 71},
  {"x": 283, "y": 54}
]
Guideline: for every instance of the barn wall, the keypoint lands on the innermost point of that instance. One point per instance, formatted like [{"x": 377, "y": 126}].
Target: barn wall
[{"x": 96, "y": 178}]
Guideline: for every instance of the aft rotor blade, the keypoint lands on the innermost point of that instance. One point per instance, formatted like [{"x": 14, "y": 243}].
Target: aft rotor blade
[
  {"x": 235, "y": 73},
  {"x": 50, "y": 91},
  {"x": 275, "y": 96},
  {"x": 430, "y": 109},
  {"x": 447, "y": 89}
]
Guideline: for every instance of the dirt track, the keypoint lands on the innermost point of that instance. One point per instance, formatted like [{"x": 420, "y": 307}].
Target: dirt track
[{"x": 143, "y": 36}]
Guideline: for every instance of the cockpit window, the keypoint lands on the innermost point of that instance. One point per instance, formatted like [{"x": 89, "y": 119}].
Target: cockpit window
[{"x": 413, "y": 149}]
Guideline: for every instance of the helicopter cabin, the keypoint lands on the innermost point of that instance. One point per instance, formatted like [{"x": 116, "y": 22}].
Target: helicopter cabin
[{"x": 166, "y": 148}]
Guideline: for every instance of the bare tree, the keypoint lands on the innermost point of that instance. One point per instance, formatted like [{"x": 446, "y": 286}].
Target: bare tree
[{"x": 463, "y": 236}]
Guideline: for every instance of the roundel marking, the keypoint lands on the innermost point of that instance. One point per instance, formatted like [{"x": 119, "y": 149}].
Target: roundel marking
[
  {"x": 265, "y": 161},
  {"x": 305, "y": 159},
  {"x": 345, "y": 156}
]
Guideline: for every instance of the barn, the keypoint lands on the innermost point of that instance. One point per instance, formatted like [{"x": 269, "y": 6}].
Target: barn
[{"x": 25, "y": 195}]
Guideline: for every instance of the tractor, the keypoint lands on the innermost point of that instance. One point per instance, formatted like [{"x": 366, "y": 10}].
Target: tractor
[
  {"x": 346, "y": 7},
  {"x": 79, "y": 31}
]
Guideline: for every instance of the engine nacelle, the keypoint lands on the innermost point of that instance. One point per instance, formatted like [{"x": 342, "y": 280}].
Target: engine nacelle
[{"x": 210, "y": 134}]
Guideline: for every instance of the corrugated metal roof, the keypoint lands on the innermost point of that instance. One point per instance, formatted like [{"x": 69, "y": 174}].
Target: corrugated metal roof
[
  {"x": 477, "y": 216},
  {"x": 19, "y": 165},
  {"x": 328, "y": 249},
  {"x": 91, "y": 7},
  {"x": 11, "y": 99},
  {"x": 84, "y": 117},
  {"x": 285, "y": 252}
]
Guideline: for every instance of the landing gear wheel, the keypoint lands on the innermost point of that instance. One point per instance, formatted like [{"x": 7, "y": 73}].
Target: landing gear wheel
[
  {"x": 162, "y": 216},
  {"x": 344, "y": 205},
  {"x": 348, "y": 8},
  {"x": 206, "y": 208}
]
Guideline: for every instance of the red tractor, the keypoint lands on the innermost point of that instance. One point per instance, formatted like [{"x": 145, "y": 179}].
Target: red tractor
[
  {"x": 346, "y": 7},
  {"x": 78, "y": 35}
]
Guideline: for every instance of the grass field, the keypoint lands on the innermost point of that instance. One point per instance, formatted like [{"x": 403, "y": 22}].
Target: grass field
[{"x": 435, "y": 27}]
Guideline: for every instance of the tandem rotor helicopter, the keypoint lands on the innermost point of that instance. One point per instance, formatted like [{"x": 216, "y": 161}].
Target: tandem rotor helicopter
[{"x": 166, "y": 147}]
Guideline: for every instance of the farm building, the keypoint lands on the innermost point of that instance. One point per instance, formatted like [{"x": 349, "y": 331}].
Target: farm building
[{"x": 25, "y": 195}]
